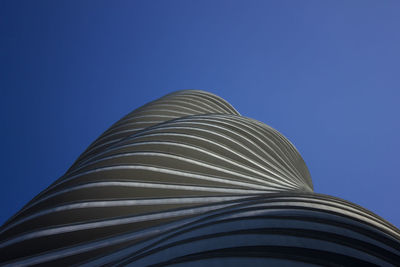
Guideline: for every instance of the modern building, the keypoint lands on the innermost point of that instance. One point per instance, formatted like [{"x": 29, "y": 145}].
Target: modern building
[{"x": 187, "y": 180}]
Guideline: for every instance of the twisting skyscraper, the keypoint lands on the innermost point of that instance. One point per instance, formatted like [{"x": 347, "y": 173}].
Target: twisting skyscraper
[{"x": 186, "y": 180}]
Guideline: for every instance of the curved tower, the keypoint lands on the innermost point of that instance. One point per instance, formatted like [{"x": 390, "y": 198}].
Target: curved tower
[{"x": 186, "y": 180}]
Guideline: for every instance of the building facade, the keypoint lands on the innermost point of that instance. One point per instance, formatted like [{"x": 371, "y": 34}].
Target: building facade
[{"x": 187, "y": 180}]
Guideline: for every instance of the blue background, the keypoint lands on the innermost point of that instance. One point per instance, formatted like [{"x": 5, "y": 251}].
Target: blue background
[{"x": 324, "y": 73}]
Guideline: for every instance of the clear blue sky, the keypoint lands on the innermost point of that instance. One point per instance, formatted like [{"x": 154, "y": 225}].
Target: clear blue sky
[{"x": 324, "y": 73}]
